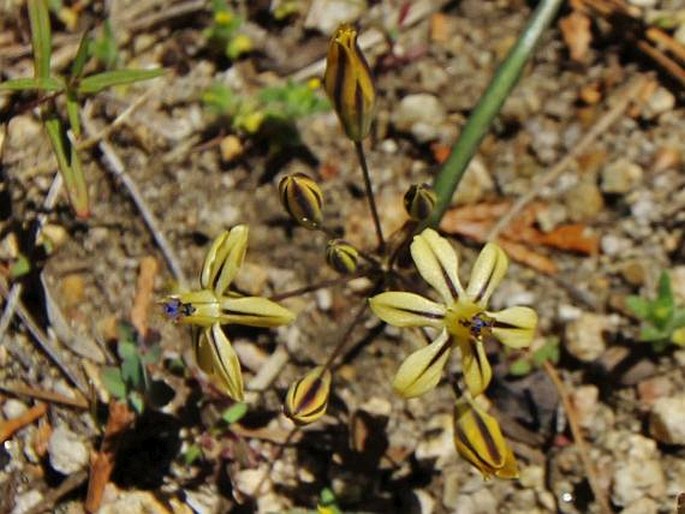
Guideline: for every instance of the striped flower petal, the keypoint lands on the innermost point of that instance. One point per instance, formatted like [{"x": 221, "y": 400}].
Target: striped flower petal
[
  {"x": 475, "y": 365},
  {"x": 226, "y": 366},
  {"x": 253, "y": 311},
  {"x": 437, "y": 263},
  {"x": 402, "y": 309},
  {"x": 488, "y": 271},
  {"x": 307, "y": 398},
  {"x": 224, "y": 258},
  {"x": 478, "y": 439},
  {"x": 515, "y": 326},
  {"x": 421, "y": 371}
]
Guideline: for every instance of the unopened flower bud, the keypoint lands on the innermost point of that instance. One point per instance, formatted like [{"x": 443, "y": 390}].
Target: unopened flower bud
[
  {"x": 303, "y": 199},
  {"x": 223, "y": 259},
  {"x": 479, "y": 440},
  {"x": 342, "y": 256},
  {"x": 348, "y": 83},
  {"x": 419, "y": 201},
  {"x": 307, "y": 398}
]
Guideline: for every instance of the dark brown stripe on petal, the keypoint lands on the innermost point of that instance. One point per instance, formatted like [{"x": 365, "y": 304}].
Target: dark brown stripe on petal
[
  {"x": 461, "y": 435},
  {"x": 429, "y": 315},
  {"x": 493, "y": 451},
  {"x": 486, "y": 284},
  {"x": 452, "y": 287},
  {"x": 340, "y": 73}
]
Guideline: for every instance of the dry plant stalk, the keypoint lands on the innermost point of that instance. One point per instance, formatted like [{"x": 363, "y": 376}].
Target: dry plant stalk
[
  {"x": 144, "y": 292},
  {"x": 102, "y": 462},
  {"x": 9, "y": 427}
]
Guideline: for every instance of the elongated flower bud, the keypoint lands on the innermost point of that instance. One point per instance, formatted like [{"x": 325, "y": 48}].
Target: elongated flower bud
[
  {"x": 303, "y": 199},
  {"x": 216, "y": 357},
  {"x": 479, "y": 440},
  {"x": 307, "y": 398},
  {"x": 342, "y": 256},
  {"x": 348, "y": 83},
  {"x": 419, "y": 201}
]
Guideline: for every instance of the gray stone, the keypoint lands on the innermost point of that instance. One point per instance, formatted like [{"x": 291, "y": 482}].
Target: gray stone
[
  {"x": 667, "y": 420},
  {"x": 621, "y": 176},
  {"x": 421, "y": 115},
  {"x": 26, "y": 501},
  {"x": 584, "y": 201},
  {"x": 67, "y": 450},
  {"x": 13, "y": 408},
  {"x": 584, "y": 337},
  {"x": 326, "y": 15}
]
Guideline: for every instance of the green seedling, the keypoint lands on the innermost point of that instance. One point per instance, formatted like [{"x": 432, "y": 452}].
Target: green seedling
[
  {"x": 271, "y": 113},
  {"x": 63, "y": 137},
  {"x": 663, "y": 321},
  {"x": 224, "y": 32},
  {"x": 525, "y": 364},
  {"x": 130, "y": 380}
]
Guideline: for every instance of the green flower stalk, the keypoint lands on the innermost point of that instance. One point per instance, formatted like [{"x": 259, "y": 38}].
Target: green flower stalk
[
  {"x": 462, "y": 318},
  {"x": 302, "y": 198},
  {"x": 349, "y": 84},
  {"x": 307, "y": 398},
  {"x": 342, "y": 256},
  {"x": 214, "y": 305},
  {"x": 478, "y": 439}
]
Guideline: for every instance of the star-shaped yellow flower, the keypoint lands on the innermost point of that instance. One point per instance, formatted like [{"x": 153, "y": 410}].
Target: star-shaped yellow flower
[
  {"x": 214, "y": 305},
  {"x": 462, "y": 318}
]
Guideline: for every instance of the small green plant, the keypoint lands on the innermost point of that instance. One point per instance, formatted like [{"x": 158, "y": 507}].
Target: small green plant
[
  {"x": 663, "y": 322},
  {"x": 224, "y": 33},
  {"x": 64, "y": 138},
  {"x": 277, "y": 106},
  {"x": 529, "y": 361},
  {"x": 130, "y": 380}
]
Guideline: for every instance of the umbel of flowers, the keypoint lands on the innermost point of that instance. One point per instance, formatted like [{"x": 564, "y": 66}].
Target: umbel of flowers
[{"x": 214, "y": 305}]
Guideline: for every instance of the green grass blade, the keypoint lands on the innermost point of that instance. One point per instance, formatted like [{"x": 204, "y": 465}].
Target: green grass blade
[
  {"x": 489, "y": 105},
  {"x": 69, "y": 166},
  {"x": 73, "y": 115},
  {"x": 81, "y": 57},
  {"x": 25, "y": 84},
  {"x": 40, "y": 37},
  {"x": 99, "y": 81}
]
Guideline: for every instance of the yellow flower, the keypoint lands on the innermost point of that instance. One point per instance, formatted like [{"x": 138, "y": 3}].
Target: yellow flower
[
  {"x": 479, "y": 440},
  {"x": 348, "y": 83},
  {"x": 461, "y": 319},
  {"x": 214, "y": 305}
]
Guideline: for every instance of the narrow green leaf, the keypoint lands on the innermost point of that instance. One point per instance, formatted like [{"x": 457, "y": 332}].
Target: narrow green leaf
[
  {"x": 665, "y": 292},
  {"x": 132, "y": 372},
  {"x": 41, "y": 84},
  {"x": 39, "y": 18},
  {"x": 639, "y": 306},
  {"x": 20, "y": 267},
  {"x": 489, "y": 105},
  {"x": 81, "y": 57},
  {"x": 548, "y": 352},
  {"x": 73, "y": 115},
  {"x": 193, "y": 453},
  {"x": 99, "y": 81},
  {"x": 235, "y": 413},
  {"x": 136, "y": 400},
  {"x": 127, "y": 349},
  {"x": 520, "y": 367},
  {"x": 650, "y": 334},
  {"x": 76, "y": 187},
  {"x": 111, "y": 379}
]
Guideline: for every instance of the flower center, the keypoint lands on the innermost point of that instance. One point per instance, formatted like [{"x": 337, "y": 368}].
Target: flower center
[{"x": 465, "y": 319}]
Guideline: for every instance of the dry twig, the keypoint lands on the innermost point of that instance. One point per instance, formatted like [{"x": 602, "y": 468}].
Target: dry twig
[
  {"x": 599, "y": 493},
  {"x": 10, "y": 426},
  {"x": 102, "y": 462},
  {"x": 144, "y": 291}
]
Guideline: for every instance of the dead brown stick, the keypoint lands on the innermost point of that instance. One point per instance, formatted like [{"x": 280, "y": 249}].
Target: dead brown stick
[
  {"x": 102, "y": 462},
  {"x": 10, "y": 426},
  {"x": 625, "y": 97},
  {"x": 663, "y": 60},
  {"x": 144, "y": 291},
  {"x": 578, "y": 439},
  {"x": 42, "y": 394},
  {"x": 53, "y": 495},
  {"x": 660, "y": 37}
]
